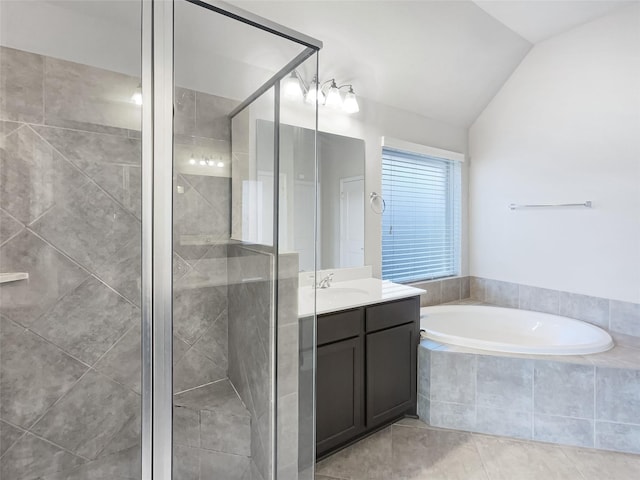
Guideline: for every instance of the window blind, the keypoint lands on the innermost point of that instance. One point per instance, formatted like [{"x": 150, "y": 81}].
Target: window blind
[{"x": 421, "y": 222}]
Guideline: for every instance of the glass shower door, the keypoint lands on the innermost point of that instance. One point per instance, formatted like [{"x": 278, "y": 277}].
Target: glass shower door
[{"x": 235, "y": 324}]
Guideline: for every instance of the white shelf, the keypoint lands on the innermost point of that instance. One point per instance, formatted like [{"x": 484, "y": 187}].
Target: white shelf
[{"x": 13, "y": 277}]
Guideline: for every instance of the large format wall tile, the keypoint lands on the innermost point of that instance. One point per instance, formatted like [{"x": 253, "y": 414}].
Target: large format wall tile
[
  {"x": 539, "y": 299},
  {"x": 213, "y": 343},
  {"x": 106, "y": 95},
  {"x": 212, "y": 116},
  {"x": 124, "y": 465},
  {"x": 88, "y": 226},
  {"x": 509, "y": 423},
  {"x": 453, "y": 377},
  {"x": 123, "y": 272},
  {"x": 87, "y": 418},
  {"x": 195, "y": 216},
  {"x": 196, "y": 309},
  {"x": 618, "y": 436},
  {"x": 51, "y": 276},
  {"x": 617, "y": 395},
  {"x": 564, "y": 389},
  {"x": 625, "y": 317},
  {"x": 505, "y": 383},
  {"x": 9, "y": 226},
  {"x": 88, "y": 321},
  {"x": 21, "y": 78},
  {"x": 122, "y": 362},
  {"x": 33, "y": 176},
  {"x": 8, "y": 436},
  {"x": 500, "y": 293},
  {"x": 184, "y": 112},
  {"x": 452, "y": 415},
  {"x": 194, "y": 370},
  {"x": 32, "y": 458},
  {"x": 33, "y": 374},
  {"x": 583, "y": 307},
  {"x": 564, "y": 430},
  {"x": 112, "y": 161}
]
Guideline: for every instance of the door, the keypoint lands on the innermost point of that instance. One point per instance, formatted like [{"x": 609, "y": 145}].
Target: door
[{"x": 352, "y": 222}]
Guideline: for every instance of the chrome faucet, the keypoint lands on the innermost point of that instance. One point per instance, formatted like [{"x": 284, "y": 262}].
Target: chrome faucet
[{"x": 325, "y": 282}]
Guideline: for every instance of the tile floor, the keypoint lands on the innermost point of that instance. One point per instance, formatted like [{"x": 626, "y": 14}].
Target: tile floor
[{"x": 411, "y": 450}]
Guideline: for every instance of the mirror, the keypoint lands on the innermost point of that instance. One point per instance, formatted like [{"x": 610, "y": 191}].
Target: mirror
[{"x": 340, "y": 194}]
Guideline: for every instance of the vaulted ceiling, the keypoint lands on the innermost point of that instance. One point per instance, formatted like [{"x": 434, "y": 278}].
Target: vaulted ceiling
[{"x": 439, "y": 59}]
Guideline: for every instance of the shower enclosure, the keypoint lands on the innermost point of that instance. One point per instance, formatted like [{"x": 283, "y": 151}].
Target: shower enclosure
[{"x": 149, "y": 297}]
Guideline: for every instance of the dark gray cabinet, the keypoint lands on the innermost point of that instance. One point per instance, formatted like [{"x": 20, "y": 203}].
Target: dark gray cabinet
[
  {"x": 340, "y": 393},
  {"x": 391, "y": 374},
  {"x": 366, "y": 370}
]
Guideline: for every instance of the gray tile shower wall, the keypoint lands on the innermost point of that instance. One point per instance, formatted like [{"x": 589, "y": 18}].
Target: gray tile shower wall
[
  {"x": 613, "y": 315},
  {"x": 70, "y": 216},
  {"x": 69, "y": 336},
  {"x": 250, "y": 295},
  {"x": 251, "y": 334}
]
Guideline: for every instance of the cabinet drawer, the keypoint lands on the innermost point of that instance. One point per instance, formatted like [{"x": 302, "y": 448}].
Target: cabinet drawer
[
  {"x": 391, "y": 314},
  {"x": 338, "y": 326}
]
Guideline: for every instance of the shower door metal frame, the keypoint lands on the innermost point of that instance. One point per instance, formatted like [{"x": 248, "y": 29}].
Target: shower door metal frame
[{"x": 157, "y": 218}]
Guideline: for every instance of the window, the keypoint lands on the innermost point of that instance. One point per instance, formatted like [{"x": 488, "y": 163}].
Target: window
[{"x": 421, "y": 222}]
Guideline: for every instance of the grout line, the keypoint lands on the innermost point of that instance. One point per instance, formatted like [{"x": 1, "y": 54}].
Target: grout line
[
  {"x": 33, "y": 332},
  {"x": 595, "y": 403},
  {"x": 58, "y": 401},
  {"x": 474, "y": 439},
  {"x": 200, "y": 386},
  {"x": 23, "y": 434}
]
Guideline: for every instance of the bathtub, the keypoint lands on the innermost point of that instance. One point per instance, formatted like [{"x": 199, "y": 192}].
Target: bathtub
[{"x": 510, "y": 330}]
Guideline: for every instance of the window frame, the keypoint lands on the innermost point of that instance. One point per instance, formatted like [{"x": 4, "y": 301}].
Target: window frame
[{"x": 451, "y": 165}]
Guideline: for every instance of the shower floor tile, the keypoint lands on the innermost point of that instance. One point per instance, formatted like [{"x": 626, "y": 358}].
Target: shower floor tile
[{"x": 421, "y": 452}]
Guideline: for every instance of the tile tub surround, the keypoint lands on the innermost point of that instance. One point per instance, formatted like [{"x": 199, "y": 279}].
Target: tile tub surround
[
  {"x": 70, "y": 217},
  {"x": 587, "y": 401},
  {"x": 612, "y": 315}
]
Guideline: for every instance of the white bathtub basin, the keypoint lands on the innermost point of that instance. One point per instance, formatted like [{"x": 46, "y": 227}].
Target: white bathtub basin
[{"x": 511, "y": 330}]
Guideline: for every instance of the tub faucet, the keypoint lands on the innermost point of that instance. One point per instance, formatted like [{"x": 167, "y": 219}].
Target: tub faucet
[{"x": 326, "y": 281}]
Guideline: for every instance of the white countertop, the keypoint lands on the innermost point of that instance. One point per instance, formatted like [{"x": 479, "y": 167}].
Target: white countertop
[{"x": 351, "y": 294}]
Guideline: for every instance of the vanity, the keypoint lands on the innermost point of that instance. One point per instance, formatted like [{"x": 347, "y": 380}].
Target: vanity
[{"x": 367, "y": 337}]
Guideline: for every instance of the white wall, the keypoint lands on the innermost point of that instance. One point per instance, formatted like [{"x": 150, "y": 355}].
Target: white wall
[{"x": 564, "y": 128}]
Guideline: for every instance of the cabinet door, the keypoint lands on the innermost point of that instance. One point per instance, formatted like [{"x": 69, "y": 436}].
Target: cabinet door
[
  {"x": 339, "y": 393},
  {"x": 391, "y": 373}
]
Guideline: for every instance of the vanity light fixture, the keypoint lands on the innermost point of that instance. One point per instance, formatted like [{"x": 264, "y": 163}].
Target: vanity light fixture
[
  {"x": 137, "y": 95},
  {"x": 291, "y": 87},
  {"x": 327, "y": 94},
  {"x": 350, "y": 104},
  {"x": 334, "y": 99},
  {"x": 314, "y": 91}
]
